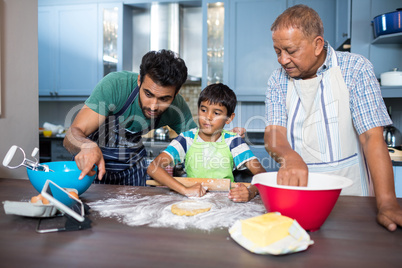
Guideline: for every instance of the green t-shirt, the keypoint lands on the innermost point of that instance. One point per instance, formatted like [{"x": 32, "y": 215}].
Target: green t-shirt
[{"x": 111, "y": 93}]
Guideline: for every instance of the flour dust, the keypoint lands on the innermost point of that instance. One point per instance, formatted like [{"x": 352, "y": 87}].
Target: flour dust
[{"x": 134, "y": 209}]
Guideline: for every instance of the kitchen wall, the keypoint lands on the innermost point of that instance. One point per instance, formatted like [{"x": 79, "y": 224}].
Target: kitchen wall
[
  {"x": 19, "y": 79},
  {"x": 58, "y": 112}
]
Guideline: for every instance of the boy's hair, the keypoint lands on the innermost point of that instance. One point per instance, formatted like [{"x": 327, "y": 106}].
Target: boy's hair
[
  {"x": 219, "y": 94},
  {"x": 164, "y": 67}
]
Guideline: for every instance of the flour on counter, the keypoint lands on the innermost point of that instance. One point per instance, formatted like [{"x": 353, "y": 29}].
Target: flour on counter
[{"x": 133, "y": 209}]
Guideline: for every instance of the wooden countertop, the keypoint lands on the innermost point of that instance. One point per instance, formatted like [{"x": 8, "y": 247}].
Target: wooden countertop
[{"x": 349, "y": 238}]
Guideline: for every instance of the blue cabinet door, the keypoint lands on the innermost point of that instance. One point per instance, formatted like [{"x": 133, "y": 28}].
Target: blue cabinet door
[
  {"x": 265, "y": 159},
  {"x": 46, "y": 51},
  {"x": 68, "y": 49},
  {"x": 77, "y": 64},
  {"x": 252, "y": 58},
  {"x": 327, "y": 11},
  {"x": 398, "y": 180},
  {"x": 343, "y": 22}
]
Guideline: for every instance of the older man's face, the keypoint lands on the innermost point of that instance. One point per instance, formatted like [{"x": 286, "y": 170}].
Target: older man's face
[{"x": 297, "y": 54}]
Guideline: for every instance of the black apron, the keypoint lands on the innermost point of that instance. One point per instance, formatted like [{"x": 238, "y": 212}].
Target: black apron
[{"x": 123, "y": 151}]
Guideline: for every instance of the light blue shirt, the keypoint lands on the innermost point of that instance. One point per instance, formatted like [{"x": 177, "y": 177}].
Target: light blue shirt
[{"x": 366, "y": 103}]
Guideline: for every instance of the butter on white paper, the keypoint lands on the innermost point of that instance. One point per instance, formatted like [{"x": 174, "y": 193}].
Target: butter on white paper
[{"x": 297, "y": 240}]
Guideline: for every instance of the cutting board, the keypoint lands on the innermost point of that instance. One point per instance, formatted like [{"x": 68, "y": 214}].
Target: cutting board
[
  {"x": 212, "y": 184},
  {"x": 396, "y": 155}
]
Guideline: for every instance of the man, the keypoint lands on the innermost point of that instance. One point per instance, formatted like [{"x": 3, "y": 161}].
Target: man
[
  {"x": 325, "y": 113},
  {"x": 123, "y": 106}
]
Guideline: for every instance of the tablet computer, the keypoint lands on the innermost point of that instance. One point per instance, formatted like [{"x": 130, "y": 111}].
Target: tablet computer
[{"x": 66, "y": 203}]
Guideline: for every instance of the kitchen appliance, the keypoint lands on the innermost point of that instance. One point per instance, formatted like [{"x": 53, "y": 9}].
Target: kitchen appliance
[
  {"x": 392, "y": 136},
  {"x": 161, "y": 134},
  {"x": 301, "y": 203},
  {"x": 168, "y": 25},
  {"x": 33, "y": 165},
  {"x": 393, "y": 78},
  {"x": 388, "y": 23}
]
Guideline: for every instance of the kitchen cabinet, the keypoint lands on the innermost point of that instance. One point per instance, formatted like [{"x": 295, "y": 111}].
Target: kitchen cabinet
[
  {"x": 265, "y": 159},
  {"x": 343, "y": 22},
  {"x": 390, "y": 42},
  {"x": 78, "y": 44},
  {"x": 249, "y": 57},
  {"x": 384, "y": 52},
  {"x": 67, "y": 49}
]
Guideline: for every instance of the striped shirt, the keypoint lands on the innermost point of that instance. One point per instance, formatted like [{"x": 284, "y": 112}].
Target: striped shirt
[
  {"x": 241, "y": 153},
  {"x": 366, "y": 104}
]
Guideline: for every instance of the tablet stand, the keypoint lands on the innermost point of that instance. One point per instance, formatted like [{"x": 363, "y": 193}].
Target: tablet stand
[{"x": 70, "y": 224}]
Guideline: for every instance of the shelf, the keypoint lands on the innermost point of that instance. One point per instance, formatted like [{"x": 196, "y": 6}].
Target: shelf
[
  {"x": 395, "y": 38},
  {"x": 391, "y": 92},
  {"x": 63, "y": 98}
]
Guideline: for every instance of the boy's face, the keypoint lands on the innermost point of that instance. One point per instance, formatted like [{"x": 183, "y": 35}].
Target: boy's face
[{"x": 212, "y": 118}]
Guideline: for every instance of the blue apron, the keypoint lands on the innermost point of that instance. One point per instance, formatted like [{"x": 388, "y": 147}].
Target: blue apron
[{"x": 123, "y": 151}]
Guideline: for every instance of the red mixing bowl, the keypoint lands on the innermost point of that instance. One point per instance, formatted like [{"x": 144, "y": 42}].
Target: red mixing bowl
[{"x": 309, "y": 206}]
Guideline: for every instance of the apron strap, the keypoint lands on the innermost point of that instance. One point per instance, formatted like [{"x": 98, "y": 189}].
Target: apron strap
[{"x": 129, "y": 101}]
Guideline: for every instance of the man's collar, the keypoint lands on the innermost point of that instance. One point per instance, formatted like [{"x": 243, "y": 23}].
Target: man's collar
[{"x": 327, "y": 63}]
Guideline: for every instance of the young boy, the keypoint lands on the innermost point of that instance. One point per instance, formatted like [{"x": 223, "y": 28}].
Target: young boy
[{"x": 209, "y": 151}]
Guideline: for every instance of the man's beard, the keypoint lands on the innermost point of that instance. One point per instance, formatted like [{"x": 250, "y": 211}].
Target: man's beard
[{"x": 144, "y": 111}]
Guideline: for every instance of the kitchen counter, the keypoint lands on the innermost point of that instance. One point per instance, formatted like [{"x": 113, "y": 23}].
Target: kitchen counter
[{"x": 349, "y": 238}]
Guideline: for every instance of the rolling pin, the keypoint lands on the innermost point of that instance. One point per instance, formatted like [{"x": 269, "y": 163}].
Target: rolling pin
[
  {"x": 212, "y": 184},
  {"x": 396, "y": 155}
]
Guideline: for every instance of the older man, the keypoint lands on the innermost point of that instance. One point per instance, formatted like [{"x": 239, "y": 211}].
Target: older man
[{"x": 325, "y": 113}]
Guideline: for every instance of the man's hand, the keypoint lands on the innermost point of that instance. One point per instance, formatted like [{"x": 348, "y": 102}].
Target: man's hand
[
  {"x": 293, "y": 171},
  {"x": 380, "y": 166},
  {"x": 87, "y": 152},
  {"x": 89, "y": 156},
  {"x": 390, "y": 216}
]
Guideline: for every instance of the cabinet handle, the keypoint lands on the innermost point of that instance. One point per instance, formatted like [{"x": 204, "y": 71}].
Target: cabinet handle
[{"x": 344, "y": 35}]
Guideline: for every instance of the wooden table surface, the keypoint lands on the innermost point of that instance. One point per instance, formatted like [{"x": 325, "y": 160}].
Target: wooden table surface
[{"x": 349, "y": 238}]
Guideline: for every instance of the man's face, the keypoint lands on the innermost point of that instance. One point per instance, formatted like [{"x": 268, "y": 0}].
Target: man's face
[
  {"x": 298, "y": 55},
  {"x": 154, "y": 99}
]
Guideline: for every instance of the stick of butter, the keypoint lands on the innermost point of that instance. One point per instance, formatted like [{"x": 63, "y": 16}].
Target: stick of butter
[{"x": 266, "y": 229}]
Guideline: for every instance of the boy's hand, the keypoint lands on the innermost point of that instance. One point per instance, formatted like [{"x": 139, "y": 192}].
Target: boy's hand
[
  {"x": 240, "y": 193},
  {"x": 239, "y": 130},
  {"x": 197, "y": 190}
]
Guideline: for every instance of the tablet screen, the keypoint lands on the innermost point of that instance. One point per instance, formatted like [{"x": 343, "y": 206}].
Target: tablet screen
[{"x": 60, "y": 198}]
